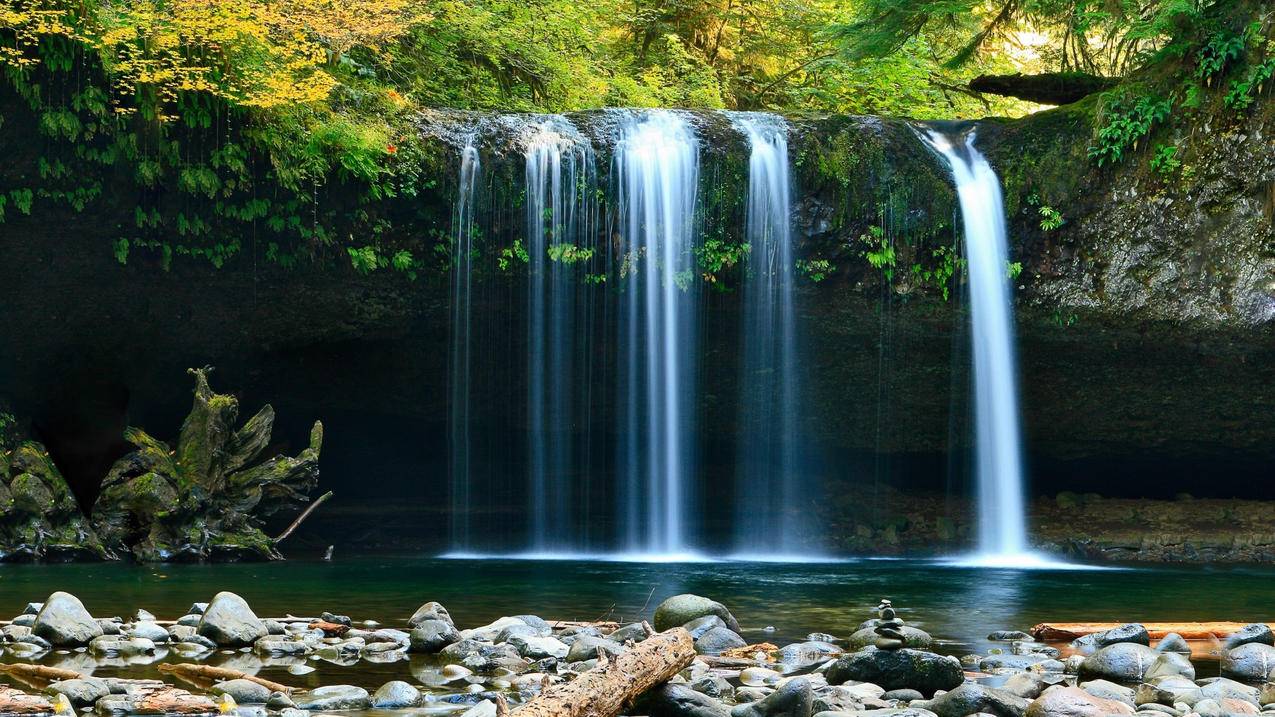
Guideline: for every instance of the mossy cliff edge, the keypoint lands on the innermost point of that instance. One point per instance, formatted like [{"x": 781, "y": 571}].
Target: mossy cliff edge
[{"x": 1144, "y": 302}]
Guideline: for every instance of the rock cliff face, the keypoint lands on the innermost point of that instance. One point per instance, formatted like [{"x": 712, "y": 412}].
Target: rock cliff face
[{"x": 1145, "y": 321}]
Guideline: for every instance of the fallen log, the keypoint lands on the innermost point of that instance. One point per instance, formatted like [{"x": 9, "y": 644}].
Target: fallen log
[
  {"x": 607, "y": 689},
  {"x": 174, "y": 701},
  {"x": 17, "y": 702},
  {"x": 1053, "y": 88},
  {"x": 603, "y": 625},
  {"x": 1067, "y": 631},
  {"x": 38, "y": 673},
  {"x": 205, "y": 674},
  {"x": 330, "y": 629}
]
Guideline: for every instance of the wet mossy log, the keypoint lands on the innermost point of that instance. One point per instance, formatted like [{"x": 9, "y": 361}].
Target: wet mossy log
[
  {"x": 1051, "y": 88},
  {"x": 206, "y": 498},
  {"x": 608, "y": 688}
]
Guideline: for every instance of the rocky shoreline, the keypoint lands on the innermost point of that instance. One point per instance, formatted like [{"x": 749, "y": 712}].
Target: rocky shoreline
[{"x": 526, "y": 664}]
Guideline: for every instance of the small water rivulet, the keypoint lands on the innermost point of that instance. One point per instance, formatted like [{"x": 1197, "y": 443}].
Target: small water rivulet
[
  {"x": 657, "y": 170},
  {"x": 460, "y": 363},
  {"x": 1002, "y": 519},
  {"x": 768, "y": 492},
  {"x": 561, "y": 212}
]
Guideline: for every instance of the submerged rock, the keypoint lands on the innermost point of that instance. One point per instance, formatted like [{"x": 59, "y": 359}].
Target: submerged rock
[
  {"x": 681, "y": 609},
  {"x": 64, "y": 621},
  {"x": 230, "y": 622},
  {"x": 897, "y": 669}
]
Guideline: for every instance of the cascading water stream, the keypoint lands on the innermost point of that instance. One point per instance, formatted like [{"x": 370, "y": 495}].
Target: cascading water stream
[
  {"x": 560, "y": 214},
  {"x": 657, "y": 165},
  {"x": 769, "y": 490},
  {"x": 1002, "y": 521},
  {"x": 460, "y": 359}
]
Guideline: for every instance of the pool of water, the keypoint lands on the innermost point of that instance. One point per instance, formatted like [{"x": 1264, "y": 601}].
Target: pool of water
[{"x": 958, "y": 605}]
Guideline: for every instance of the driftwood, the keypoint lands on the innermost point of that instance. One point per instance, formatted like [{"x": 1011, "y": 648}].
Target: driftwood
[
  {"x": 173, "y": 701},
  {"x": 1054, "y": 88},
  {"x": 330, "y": 629},
  {"x": 17, "y": 702},
  {"x": 197, "y": 674},
  {"x": 603, "y": 625},
  {"x": 1066, "y": 631},
  {"x": 301, "y": 518},
  {"x": 38, "y": 673},
  {"x": 608, "y": 688}
]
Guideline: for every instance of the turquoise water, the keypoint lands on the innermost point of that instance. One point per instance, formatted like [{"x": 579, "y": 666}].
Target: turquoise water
[{"x": 958, "y": 605}]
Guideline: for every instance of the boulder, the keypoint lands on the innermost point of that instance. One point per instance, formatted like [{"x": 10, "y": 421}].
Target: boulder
[
  {"x": 1131, "y": 632},
  {"x": 970, "y": 697},
  {"x": 1061, "y": 701},
  {"x": 395, "y": 695},
  {"x": 792, "y": 699},
  {"x": 229, "y": 622},
  {"x": 430, "y": 611},
  {"x": 1173, "y": 642},
  {"x": 1250, "y": 662},
  {"x": 1106, "y": 690},
  {"x": 432, "y": 635},
  {"x": 536, "y": 647},
  {"x": 589, "y": 647},
  {"x": 717, "y": 641},
  {"x": 244, "y": 692},
  {"x": 679, "y": 700},
  {"x": 681, "y": 609},
  {"x": 82, "y": 692},
  {"x": 1010, "y": 636},
  {"x": 1121, "y": 662},
  {"x": 332, "y": 697},
  {"x": 1221, "y": 688},
  {"x": 1257, "y": 632},
  {"x": 64, "y": 621},
  {"x": 148, "y": 630},
  {"x": 701, "y": 625},
  {"x": 925, "y": 672},
  {"x": 912, "y": 637},
  {"x": 1171, "y": 664}
]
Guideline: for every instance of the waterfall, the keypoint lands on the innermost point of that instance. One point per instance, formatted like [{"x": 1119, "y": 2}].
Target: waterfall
[
  {"x": 657, "y": 166},
  {"x": 1002, "y": 523},
  {"x": 560, "y": 213},
  {"x": 768, "y": 491},
  {"x": 460, "y": 359}
]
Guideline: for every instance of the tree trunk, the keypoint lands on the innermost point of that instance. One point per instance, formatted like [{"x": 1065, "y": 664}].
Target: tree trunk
[
  {"x": 172, "y": 701},
  {"x": 1066, "y": 631},
  {"x": 1056, "y": 88},
  {"x": 607, "y": 689}
]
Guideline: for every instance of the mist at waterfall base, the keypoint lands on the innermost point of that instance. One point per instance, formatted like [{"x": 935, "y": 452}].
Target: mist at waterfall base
[{"x": 633, "y": 486}]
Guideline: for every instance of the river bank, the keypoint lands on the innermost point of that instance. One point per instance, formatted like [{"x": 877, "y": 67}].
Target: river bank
[{"x": 221, "y": 656}]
